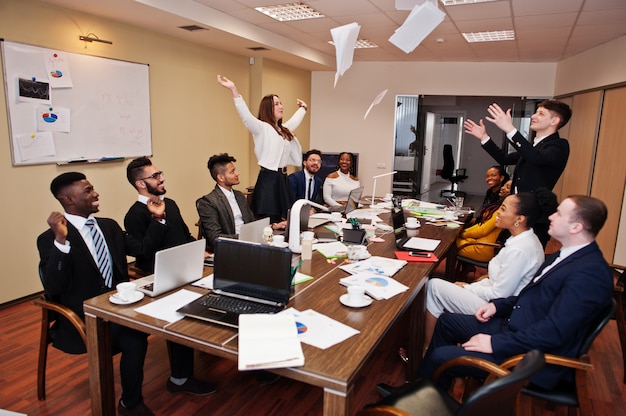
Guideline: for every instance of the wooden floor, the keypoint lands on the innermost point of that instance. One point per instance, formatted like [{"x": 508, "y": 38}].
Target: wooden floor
[{"x": 239, "y": 394}]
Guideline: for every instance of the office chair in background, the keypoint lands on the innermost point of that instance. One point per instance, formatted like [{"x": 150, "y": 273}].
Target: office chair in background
[{"x": 448, "y": 172}]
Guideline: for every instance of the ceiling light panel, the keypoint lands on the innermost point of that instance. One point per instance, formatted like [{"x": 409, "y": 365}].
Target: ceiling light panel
[
  {"x": 290, "y": 11},
  {"x": 494, "y": 36}
]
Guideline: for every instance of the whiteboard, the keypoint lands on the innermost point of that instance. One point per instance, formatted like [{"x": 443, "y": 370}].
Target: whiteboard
[{"x": 67, "y": 107}]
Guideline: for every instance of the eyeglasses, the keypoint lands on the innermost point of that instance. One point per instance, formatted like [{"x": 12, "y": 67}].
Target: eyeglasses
[{"x": 155, "y": 175}]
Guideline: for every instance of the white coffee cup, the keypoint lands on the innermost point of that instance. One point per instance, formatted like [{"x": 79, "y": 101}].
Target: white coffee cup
[
  {"x": 356, "y": 294},
  {"x": 411, "y": 232},
  {"x": 335, "y": 216},
  {"x": 354, "y": 253},
  {"x": 126, "y": 291},
  {"x": 278, "y": 240},
  {"x": 307, "y": 235},
  {"x": 411, "y": 222}
]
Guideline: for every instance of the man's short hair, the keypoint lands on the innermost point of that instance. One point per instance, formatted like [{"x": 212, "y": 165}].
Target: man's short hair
[
  {"x": 217, "y": 164},
  {"x": 135, "y": 169},
  {"x": 63, "y": 181},
  {"x": 562, "y": 110},
  {"x": 312, "y": 152},
  {"x": 590, "y": 212}
]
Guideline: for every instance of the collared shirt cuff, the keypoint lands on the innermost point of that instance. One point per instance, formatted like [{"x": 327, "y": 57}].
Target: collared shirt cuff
[
  {"x": 485, "y": 140},
  {"x": 63, "y": 248},
  {"x": 511, "y": 134}
]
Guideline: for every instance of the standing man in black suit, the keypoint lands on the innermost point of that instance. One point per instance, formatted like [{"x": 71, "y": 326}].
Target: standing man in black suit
[
  {"x": 149, "y": 181},
  {"x": 303, "y": 183},
  {"x": 71, "y": 271},
  {"x": 538, "y": 164}
]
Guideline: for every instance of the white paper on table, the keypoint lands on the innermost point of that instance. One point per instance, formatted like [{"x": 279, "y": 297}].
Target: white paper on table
[
  {"x": 334, "y": 249},
  {"x": 268, "y": 341},
  {"x": 376, "y": 101},
  {"x": 344, "y": 38},
  {"x": 319, "y": 330},
  {"x": 206, "y": 282},
  {"x": 423, "y": 244},
  {"x": 377, "y": 265},
  {"x": 377, "y": 286},
  {"x": 421, "y": 21},
  {"x": 165, "y": 308}
]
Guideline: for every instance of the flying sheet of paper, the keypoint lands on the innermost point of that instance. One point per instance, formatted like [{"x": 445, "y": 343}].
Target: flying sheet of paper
[
  {"x": 409, "y": 4},
  {"x": 344, "y": 38},
  {"x": 377, "y": 100},
  {"x": 421, "y": 21}
]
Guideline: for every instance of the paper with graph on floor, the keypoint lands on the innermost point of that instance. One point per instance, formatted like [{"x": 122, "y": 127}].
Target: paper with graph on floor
[{"x": 268, "y": 341}]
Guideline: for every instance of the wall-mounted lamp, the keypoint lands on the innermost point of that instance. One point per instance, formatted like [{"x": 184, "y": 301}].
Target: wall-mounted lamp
[{"x": 91, "y": 37}]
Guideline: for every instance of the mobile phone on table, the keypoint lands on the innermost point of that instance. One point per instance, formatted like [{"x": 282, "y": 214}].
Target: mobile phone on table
[{"x": 418, "y": 254}]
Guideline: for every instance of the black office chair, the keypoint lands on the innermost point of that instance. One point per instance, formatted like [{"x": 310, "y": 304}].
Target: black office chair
[
  {"x": 499, "y": 396},
  {"x": 448, "y": 172}
]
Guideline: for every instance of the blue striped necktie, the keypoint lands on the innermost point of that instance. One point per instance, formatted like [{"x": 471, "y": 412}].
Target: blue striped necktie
[{"x": 102, "y": 252}]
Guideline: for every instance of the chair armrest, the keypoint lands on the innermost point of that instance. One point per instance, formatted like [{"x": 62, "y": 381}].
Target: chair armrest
[
  {"x": 69, "y": 314},
  {"x": 381, "y": 410},
  {"x": 493, "y": 369},
  {"x": 581, "y": 363},
  {"x": 479, "y": 243}
]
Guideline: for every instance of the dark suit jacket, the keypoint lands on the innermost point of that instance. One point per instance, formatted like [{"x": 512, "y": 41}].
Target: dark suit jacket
[
  {"x": 74, "y": 277},
  {"x": 137, "y": 221},
  {"x": 535, "y": 167},
  {"x": 553, "y": 314},
  {"x": 298, "y": 185},
  {"x": 216, "y": 216}
]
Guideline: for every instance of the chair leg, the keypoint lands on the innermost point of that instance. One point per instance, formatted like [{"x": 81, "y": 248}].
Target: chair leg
[{"x": 44, "y": 341}]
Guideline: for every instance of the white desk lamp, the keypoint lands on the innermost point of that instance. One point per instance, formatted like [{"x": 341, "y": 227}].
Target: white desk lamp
[
  {"x": 376, "y": 177},
  {"x": 294, "y": 222}
]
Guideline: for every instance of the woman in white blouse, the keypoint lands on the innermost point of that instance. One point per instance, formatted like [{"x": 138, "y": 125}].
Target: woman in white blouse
[
  {"x": 275, "y": 147},
  {"x": 337, "y": 185}
]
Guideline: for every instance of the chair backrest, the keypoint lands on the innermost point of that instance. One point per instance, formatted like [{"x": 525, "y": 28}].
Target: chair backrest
[
  {"x": 448, "y": 162},
  {"x": 596, "y": 327},
  {"x": 500, "y": 396}
]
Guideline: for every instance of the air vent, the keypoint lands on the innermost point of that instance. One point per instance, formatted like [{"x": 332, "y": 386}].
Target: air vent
[
  {"x": 258, "y": 48},
  {"x": 192, "y": 28}
]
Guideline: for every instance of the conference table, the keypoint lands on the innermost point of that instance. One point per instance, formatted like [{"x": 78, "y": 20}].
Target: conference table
[{"x": 334, "y": 369}]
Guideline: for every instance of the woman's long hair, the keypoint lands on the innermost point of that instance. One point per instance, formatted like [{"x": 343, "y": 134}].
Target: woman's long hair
[{"x": 266, "y": 114}]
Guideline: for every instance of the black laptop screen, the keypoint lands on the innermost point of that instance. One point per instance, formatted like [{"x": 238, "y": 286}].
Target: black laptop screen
[{"x": 253, "y": 270}]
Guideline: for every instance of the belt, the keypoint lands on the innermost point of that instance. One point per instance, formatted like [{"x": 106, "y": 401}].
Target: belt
[{"x": 282, "y": 170}]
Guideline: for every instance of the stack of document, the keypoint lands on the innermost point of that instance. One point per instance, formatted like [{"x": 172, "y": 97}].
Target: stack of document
[
  {"x": 268, "y": 341},
  {"x": 332, "y": 250},
  {"x": 376, "y": 286},
  {"x": 319, "y": 330},
  {"x": 375, "y": 265}
]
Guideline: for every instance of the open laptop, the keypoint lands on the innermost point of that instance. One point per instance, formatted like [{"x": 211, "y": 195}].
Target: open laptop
[
  {"x": 174, "y": 267},
  {"x": 253, "y": 231},
  {"x": 354, "y": 197},
  {"x": 397, "y": 221},
  {"x": 247, "y": 278}
]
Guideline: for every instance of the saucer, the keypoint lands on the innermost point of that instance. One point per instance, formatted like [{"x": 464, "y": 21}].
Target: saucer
[
  {"x": 136, "y": 298},
  {"x": 281, "y": 245},
  {"x": 344, "y": 300}
]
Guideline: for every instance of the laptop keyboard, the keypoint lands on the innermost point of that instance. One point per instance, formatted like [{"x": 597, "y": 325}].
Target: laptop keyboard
[{"x": 235, "y": 305}]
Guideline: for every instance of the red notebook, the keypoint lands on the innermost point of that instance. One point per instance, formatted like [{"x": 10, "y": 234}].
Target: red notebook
[{"x": 404, "y": 255}]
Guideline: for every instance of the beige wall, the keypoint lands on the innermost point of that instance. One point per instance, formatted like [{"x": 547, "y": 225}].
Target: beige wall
[
  {"x": 192, "y": 118},
  {"x": 337, "y": 114}
]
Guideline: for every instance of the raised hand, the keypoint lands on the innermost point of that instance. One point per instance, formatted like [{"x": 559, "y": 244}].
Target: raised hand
[
  {"x": 301, "y": 103},
  {"x": 226, "y": 83},
  {"x": 500, "y": 118},
  {"x": 477, "y": 130},
  {"x": 156, "y": 206},
  {"x": 58, "y": 225}
]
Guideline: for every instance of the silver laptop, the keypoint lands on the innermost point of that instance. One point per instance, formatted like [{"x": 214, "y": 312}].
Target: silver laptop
[
  {"x": 351, "y": 204},
  {"x": 253, "y": 231},
  {"x": 174, "y": 267}
]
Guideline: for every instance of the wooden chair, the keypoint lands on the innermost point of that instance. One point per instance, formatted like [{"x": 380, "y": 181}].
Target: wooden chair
[
  {"x": 576, "y": 394},
  {"x": 620, "y": 320},
  {"x": 50, "y": 311},
  {"x": 498, "y": 396}
]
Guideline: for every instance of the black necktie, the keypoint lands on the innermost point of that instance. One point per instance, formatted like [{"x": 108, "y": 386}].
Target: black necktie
[
  {"x": 546, "y": 263},
  {"x": 309, "y": 195}
]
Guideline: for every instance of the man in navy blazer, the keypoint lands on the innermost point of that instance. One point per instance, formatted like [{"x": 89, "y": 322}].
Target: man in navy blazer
[
  {"x": 538, "y": 164},
  {"x": 551, "y": 314},
  {"x": 302, "y": 181}
]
